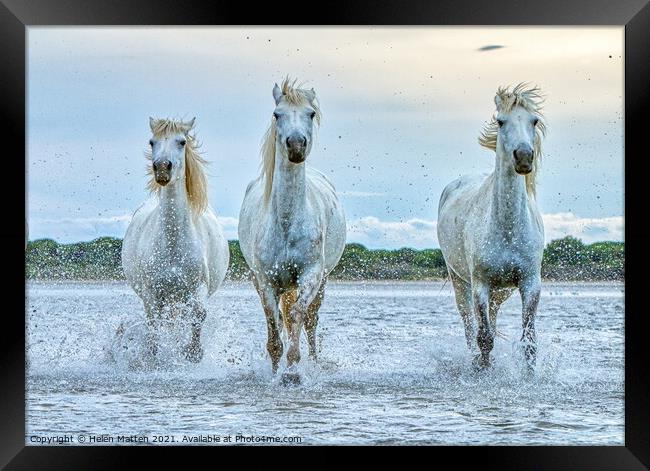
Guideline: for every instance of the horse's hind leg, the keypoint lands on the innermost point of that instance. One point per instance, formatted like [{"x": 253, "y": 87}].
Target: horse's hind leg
[
  {"x": 497, "y": 298},
  {"x": 311, "y": 320},
  {"x": 287, "y": 300},
  {"x": 463, "y": 293}
]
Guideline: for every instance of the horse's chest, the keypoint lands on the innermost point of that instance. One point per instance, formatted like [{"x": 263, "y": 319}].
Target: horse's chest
[
  {"x": 286, "y": 256},
  {"x": 174, "y": 275},
  {"x": 505, "y": 266}
]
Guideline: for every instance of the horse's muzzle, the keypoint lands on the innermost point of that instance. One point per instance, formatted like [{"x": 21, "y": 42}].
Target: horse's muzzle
[
  {"x": 523, "y": 169},
  {"x": 523, "y": 160},
  {"x": 162, "y": 172},
  {"x": 297, "y": 156},
  {"x": 297, "y": 148},
  {"x": 162, "y": 180}
]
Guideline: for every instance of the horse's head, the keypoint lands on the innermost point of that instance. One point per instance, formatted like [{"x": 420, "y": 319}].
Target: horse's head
[
  {"x": 294, "y": 115},
  {"x": 168, "y": 144},
  {"x": 517, "y": 119}
]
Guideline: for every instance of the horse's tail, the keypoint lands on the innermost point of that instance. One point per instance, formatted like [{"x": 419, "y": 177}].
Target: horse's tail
[{"x": 287, "y": 300}]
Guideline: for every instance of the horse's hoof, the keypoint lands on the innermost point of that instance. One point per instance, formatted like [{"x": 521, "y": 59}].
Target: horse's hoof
[
  {"x": 481, "y": 362},
  {"x": 193, "y": 353},
  {"x": 290, "y": 379}
]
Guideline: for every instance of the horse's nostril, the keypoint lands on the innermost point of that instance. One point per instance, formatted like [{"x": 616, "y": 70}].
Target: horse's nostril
[
  {"x": 164, "y": 165},
  {"x": 296, "y": 140},
  {"x": 522, "y": 154}
]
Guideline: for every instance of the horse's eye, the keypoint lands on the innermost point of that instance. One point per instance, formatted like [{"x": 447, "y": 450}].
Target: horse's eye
[
  {"x": 312, "y": 114},
  {"x": 182, "y": 142},
  {"x": 151, "y": 142},
  {"x": 499, "y": 122},
  {"x": 535, "y": 121},
  {"x": 276, "y": 116}
]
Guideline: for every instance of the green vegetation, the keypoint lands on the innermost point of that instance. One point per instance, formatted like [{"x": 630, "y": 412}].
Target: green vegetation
[
  {"x": 570, "y": 259},
  {"x": 564, "y": 259},
  {"x": 99, "y": 259}
]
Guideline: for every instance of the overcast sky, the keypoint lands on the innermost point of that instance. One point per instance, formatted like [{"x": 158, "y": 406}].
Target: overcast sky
[{"x": 402, "y": 110}]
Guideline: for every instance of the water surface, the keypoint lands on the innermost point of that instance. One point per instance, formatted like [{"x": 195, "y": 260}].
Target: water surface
[{"x": 393, "y": 368}]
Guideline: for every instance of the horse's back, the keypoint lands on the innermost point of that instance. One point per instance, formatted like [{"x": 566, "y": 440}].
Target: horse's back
[
  {"x": 134, "y": 239},
  {"x": 457, "y": 203},
  {"x": 250, "y": 218},
  {"x": 461, "y": 186},
  {"x": 216, "y": 250},
  {"x": 330, "y": 207}
]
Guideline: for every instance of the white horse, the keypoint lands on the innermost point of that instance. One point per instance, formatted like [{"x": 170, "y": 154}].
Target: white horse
[
  {"x": 489, "y": 228},
  {"x": 291, "y": 226},
  {"x": 174, "y": 253}
]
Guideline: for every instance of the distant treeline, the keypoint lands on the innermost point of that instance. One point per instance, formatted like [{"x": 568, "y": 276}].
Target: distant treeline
[{"x": 564, "y": 259}]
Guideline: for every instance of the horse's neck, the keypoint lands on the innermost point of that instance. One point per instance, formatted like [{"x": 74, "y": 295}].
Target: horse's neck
[
  {"x": 288, "y": 192},
  {"x": 175, "y": 215},
  {"x": 509, "y": 197}
]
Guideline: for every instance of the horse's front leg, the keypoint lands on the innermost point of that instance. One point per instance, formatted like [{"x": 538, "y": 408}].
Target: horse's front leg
[
  {"x": 194, "y": 351},
  {"x": 311, "y": 320},
  {"x": 485, "y": 335},
  {"x": 152, "y": 311},
  {"x": 270, "y": 300},
  {"x": 530, "y": 291},
  {"x": 309, "y": 285}
]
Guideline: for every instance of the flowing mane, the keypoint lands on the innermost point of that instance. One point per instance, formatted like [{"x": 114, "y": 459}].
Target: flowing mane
[
  {"x": 294, "y": 96},
  {"x": 531, "y": 99},
  {"x": 195, "y": 180}
]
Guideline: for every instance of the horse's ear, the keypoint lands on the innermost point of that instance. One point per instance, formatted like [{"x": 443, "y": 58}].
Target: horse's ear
[
  {"x": 152, "y": 123},
  {"x": 277, "y": 94},
  {"x": 190, "y": 124},
  {"x": 310, "y": 94},
  {"x": 497, "y": 101}
]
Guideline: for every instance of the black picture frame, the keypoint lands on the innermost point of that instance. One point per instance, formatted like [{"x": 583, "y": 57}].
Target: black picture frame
[{"x": 634, "y": 15}]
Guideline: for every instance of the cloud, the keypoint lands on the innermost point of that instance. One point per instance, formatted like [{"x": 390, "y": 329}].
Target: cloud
[
  {"x": 67, "y": 230},
  {"x": 78, "y": 229},
  {"x": 369, "y": 230},
  {"x": 229, "y": 226},
  {"x": 589, "y": 230},
  {"x": 374, "y": 233},
  {"x": 421, "y": 233},
  {"x": 401, "y": 105},
  {"x": 490, "y": 47}
]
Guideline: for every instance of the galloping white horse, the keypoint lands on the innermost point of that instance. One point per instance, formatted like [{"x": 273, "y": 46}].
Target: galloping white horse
[
  {"x": 489, "y": 228},
  {"x": 291, "y": 226},
  {"x": 174, "y": 253}
]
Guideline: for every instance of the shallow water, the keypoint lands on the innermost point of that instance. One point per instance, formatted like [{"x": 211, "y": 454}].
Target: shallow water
[{"x": 393, "y": 368}]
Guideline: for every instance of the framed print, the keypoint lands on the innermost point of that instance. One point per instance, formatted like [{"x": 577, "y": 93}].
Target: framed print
[{"x": 385, "y": 224}]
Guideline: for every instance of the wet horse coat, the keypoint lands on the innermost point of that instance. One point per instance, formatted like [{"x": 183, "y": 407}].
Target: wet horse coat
[
  {"x": 291, "y": 226},
  {"x": 489, "y": 227},
  {"x": 174, "y": 253}
]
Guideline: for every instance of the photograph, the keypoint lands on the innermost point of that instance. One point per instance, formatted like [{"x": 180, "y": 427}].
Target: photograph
[{"x": 324, "y": 235}]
